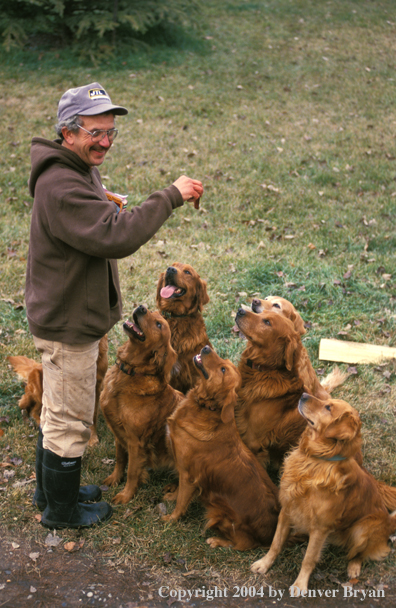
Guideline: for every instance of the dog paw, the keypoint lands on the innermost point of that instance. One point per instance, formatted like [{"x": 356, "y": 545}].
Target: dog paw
[
  {"x": 112, "y": 481},
  {"x": 298, "y": 588},
  {"x": 93, "y": 440},
  {"x": 121, "y": 498},
  {"x": 168, "y": 517},
  {"x": 214, "y": 542},
  {"x": 169, "y": 496},
  {"x": 261, "y": 566},
  {"x": 354, "y": 568}
]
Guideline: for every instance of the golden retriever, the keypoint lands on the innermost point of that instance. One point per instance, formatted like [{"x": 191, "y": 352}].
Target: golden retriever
[
  {"x": 266, "y": 414},
  {"x": 181, "y": 296},
  {"x": 326, "y": 494},
  {"x": 32, "y": 373},
  {"x": 212, "y": 461},
  {"x": 137, "y": 399},
  {"x": 312, "y": 384}
]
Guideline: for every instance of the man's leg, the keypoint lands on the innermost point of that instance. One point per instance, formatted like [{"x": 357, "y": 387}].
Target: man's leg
[
  {"x": 69, "y": 379},
  {"x": 90, "y": 493}
]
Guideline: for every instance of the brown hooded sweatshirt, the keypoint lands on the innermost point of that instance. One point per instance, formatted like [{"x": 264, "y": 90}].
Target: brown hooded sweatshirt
[{"x": 76, "y": 236}]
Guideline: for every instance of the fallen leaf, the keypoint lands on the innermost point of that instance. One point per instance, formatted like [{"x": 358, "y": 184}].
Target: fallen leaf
[
  {"x": 34, "y": 556},
  {"x": 52, "y": 540},
  {"x": 72, "y": 546},
  {"x": 161, "y": 509},
  {"x": 352, "y": 370}
]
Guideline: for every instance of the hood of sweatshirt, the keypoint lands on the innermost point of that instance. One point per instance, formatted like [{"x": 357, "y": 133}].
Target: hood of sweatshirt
[{"x": 44, "y": 153}]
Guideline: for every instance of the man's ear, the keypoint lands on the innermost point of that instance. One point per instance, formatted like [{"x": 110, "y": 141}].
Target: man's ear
[{"x": 68, "y": 136}]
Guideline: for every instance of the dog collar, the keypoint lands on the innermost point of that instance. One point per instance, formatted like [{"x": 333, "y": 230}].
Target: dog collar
[
  {"x": 256, "y": 366},
  {"x": 129, "y": 370},
  {"x": 333, "y": 458},
  {"x": 126, "y": 368},
  {"x": 168, "y": 315}
]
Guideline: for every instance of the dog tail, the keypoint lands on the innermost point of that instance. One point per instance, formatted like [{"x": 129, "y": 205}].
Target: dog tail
[
  {"x": 23, "y": 365},
  {"x": 334, "y": 379},
  {"x": 393, "y": 521},
  {"x": 388, "y": 495}
]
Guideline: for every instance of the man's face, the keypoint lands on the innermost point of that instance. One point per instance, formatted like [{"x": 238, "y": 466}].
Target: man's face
[{"x": 81, "y": 142}]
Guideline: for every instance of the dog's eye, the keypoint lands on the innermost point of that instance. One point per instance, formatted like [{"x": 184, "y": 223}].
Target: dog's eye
[
  {"x": 266, "y": 321},
  {"x": 187, "y": 272},
  {"x": 159, "y": 325},
  {"x": 276, "y": 305},
  {"x": 328, "y": 408},
  {"x": 223, "y": 369}
]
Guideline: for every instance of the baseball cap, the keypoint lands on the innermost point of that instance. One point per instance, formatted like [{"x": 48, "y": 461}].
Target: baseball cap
[{"x": 89, "y": 100}]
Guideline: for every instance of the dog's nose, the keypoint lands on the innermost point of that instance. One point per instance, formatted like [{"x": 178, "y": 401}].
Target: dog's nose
[
  {"x": 255, "y": 304},
  {"x": 206, "y": 350},
  {"x": 171, "y": 270},
  {"x": 304, "y": 397},
  {"x": 241, "y": 312},
  {"x": 141, "y": 310}
]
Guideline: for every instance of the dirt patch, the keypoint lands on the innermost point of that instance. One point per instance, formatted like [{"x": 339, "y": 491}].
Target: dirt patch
[{"x": 52, "y": 577}]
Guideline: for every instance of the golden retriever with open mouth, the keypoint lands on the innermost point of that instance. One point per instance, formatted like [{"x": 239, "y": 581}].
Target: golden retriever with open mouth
[
  {"x": 312, "y": 384},
  {"x": 326, "y": 494},
  {"x": 212, "y": 461},
  {"x": 136, "y": 400},
  {"x": 181, "y": 296},
  {"x": 266, "y": 414}
]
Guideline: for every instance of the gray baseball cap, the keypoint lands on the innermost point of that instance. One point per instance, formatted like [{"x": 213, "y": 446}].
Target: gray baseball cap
[{"x": 89, "y": 100}]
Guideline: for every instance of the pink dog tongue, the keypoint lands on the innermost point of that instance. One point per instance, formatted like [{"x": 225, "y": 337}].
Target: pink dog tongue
[{"x": 168, "y": 291}]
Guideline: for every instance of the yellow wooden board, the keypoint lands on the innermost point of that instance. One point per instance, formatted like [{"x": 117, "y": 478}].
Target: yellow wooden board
[{"x": 343, "y": 351}]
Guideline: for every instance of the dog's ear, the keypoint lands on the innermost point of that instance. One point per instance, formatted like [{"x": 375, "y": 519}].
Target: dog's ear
[
  {"x": 290, "y": 351},
  {"x": 169, "y": 363},
  {"x": 164, "y": 359},
  {"x": 344, "y": 428},
  {"x": 202, "y": 294},
  {"x": 298, "y": 323},
  {"x": 227, "y": 411},
  {"x": 160, "y": 285}
]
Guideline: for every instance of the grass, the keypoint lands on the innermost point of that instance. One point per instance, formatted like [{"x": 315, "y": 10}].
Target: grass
[{"x": 285, "y": 111}]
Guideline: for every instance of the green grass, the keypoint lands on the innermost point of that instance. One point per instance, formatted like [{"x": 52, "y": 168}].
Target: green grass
[{"x": 285, "y": 111}]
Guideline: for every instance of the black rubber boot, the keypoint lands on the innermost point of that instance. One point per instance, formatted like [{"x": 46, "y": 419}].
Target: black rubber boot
[
  {"x": 90, "y": 493},
  {"x": 61, "y": 482}
]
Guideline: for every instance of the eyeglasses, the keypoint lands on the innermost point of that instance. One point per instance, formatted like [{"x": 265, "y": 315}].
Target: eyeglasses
[{"x": 98, "y": 135}]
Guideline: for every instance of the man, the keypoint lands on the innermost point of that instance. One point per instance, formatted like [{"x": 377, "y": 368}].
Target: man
[{"x": 72, "y": 289}]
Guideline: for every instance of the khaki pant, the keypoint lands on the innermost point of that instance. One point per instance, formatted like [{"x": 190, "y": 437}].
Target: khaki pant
[{"x": 69, "y": 380}]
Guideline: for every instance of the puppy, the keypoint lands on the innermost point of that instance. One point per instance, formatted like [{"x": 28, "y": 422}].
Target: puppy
[
  {"x": 32, "y": 373},
  {"x": 181, "y": 296},
  {"x": 212, "y": 461},
  {"x": 326, "y": 494},
  {"x": 137, "y": 399},
  {"x": 266, "y": 414},
  {"x": 312, "y": 384}
]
